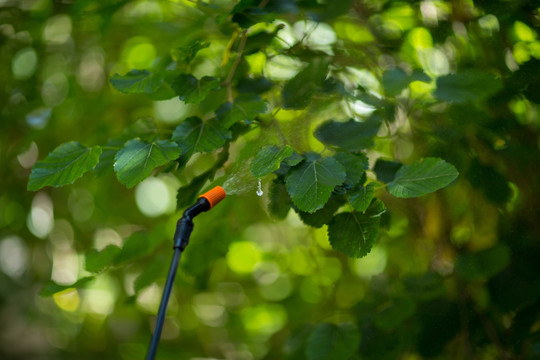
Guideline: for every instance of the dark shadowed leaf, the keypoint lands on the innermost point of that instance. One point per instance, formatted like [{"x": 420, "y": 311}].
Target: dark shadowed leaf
[
  {"x": 256, "y": 85},
  {"x": 63, "y": 165},
  {"x": 352, "y": 135},
  {"x": 394, "y": 313},
  {"x": 151, "y": 273},
  {"x": 353, "y": 233},
  {"x": 244, "y": 108},
  {"x": 386, "y": 170},
  {"x": 137, "y": 81},
  {"x": 137, "y": 159},
  {"x": 483, "y": 264},
  {"x": 332, "y": 342},
  {"x": 322, "y": 216},
  {"x": 194, "y": 135},
  {"x": 422, "y": 177},
  {"x": 355, "y": 165},
  {"x": 280, "y": 202},
  {"x": 361, "y": 197},
  {"x": 311, "y": 183},
  {"x": 466, "y": 86},
  {"x": 192, "y": 90},
  {"x": 298, "y": 91}
]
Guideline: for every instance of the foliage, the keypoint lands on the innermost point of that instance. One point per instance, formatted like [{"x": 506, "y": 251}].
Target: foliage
[{"x": 404, "y": 135}]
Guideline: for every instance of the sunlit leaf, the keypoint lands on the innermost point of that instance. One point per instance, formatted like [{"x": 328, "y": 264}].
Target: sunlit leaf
[
  {"x": 268, "y": 159},
  {"x": 311, "y": 183},
  {"x": 137, "y": 159},
  {"x": 137, "y": 81},
  {"x": 63, "y": 165},
  {"x": 192, "y": 90},
  {"x": 422, "y": 177},
  {"x": 144, "y": 128},
  {"x": 332, "y": 342}
]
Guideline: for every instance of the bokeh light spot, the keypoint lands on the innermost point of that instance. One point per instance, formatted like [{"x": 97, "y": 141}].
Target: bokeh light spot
[
  {"x": 243, "y": 257},
  {"x": 24, "y": 63}
]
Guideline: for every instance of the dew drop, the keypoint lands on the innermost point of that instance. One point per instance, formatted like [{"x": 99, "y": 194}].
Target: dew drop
[{"x": 259, "y": 191}]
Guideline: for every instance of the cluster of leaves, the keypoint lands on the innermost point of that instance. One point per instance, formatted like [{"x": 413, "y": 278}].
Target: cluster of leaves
[
  {"x": 316, "y": 186},
  {"x": 444, "y": 80}
]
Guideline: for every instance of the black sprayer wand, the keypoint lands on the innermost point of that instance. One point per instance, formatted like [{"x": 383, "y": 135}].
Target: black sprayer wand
[{"x": 184, "y": 227}]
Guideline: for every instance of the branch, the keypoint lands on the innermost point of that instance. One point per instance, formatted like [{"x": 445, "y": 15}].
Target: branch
[{"x": 228, "y": 81}]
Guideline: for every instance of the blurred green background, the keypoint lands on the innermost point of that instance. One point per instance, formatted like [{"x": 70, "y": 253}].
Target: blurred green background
[{"x": 454, "y": 275}]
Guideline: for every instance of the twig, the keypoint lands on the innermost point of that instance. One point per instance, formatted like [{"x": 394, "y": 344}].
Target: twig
[{"x": 228, "y": 81}]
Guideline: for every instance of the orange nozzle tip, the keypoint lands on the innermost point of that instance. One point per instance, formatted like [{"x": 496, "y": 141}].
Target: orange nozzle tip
[{"x": 214, "y": 195}]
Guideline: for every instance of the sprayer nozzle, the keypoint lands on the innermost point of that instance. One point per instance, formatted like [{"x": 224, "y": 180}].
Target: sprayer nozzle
[{"x": 214, "y": 196}]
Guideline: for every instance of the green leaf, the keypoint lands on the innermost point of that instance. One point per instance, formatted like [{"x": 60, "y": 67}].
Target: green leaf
[
  {"x": 298, "y": 91},
  {"x": 386, "y": 170},
  {"x": 192, "y": 90},
  {"x": 355, "y": 165},
  {"x": 193, "y": 135},
  {"x": 96, "y": 261},
  {"x": 63, "y": 165},
  {"x": 395, "y": 80},
  {"x": 245, "y": 108},
  {"x": 422, "y": 177},
  {"x": 483, "y": 264},
  {"x": 144, "y": 128},
  {"x": 361, "y": 198},
  {"x": 52, "y": 287},
  {"x": 256, "y": 85},
  {"x": 280, "y": 201},
  {"x": 136, "y": 160},
  {"x": 152, "y": 272},
  {"x": 186, "y": 54},
  {"x": 311, "y": 183},
  {"x": 332, "y": 342},
  {"x": 353, "y": 233},
  {"x": 352, "y": 135},
  {"x": 467, "y": 86},
  {"x": 322, "y": 216},
  {"x": 140, "y": 244},
  {"x": 395, "y": 313},
  {"x": 268, "y": 159},
  {"x": 137, "y": 81}
]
